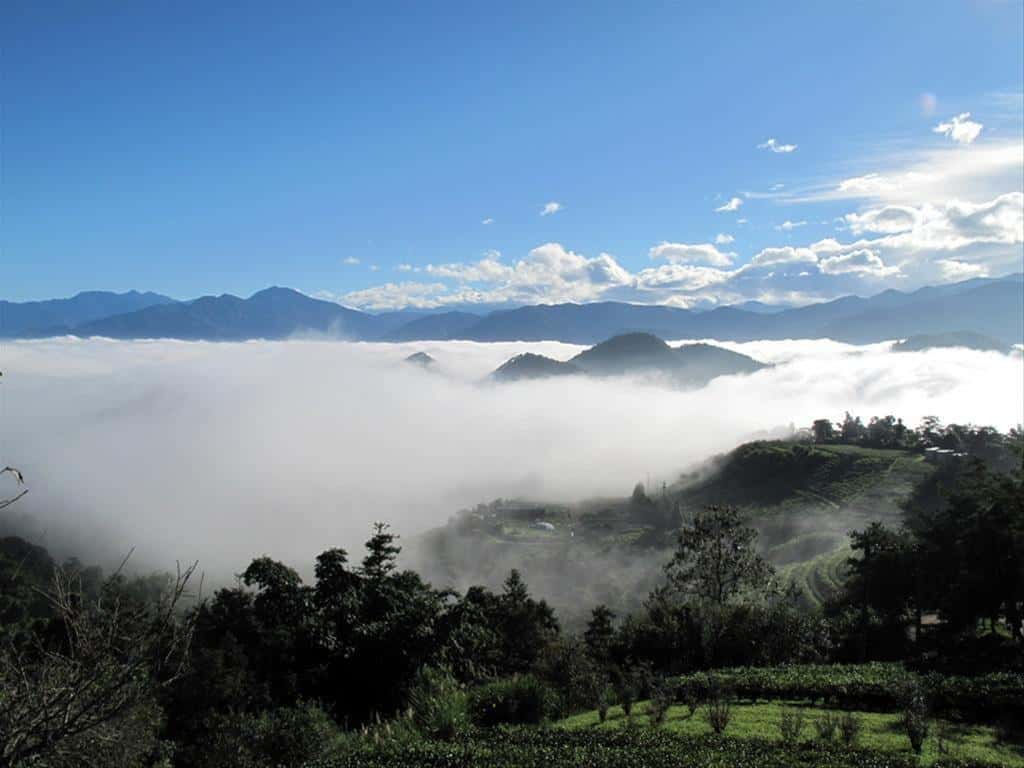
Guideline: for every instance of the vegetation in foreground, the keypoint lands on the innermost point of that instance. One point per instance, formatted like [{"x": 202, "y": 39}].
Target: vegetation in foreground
[{"x": 372, "y": 665}]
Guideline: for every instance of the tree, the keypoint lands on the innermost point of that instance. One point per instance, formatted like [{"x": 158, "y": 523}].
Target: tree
[
  {"x": 85, "y": 695},
  {"x": 715, "y": 560},
  {"x": 600, "y": 634},
  {"x": 823, "y": 430},
  {"x": 381, "y": 553}
]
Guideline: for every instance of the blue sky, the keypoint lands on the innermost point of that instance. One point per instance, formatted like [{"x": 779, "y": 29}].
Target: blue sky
[{"x": 354, "y": 151}]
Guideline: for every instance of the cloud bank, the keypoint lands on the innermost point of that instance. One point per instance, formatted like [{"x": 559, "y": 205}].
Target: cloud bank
[{"x": 222, "y": 452}]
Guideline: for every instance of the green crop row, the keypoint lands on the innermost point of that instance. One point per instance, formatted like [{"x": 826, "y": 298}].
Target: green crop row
[
  {"x": 624, "y": 748},
  {"x": 868, "y": 686}
]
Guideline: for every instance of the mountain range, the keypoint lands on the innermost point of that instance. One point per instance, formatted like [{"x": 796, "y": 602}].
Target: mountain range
[{"x": 990, "y": 306}]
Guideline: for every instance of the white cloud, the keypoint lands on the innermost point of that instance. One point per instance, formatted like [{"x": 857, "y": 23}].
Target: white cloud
[
  {"x": 550, "y": 208},
  {"x": 487, "y": 221},
  {"x": 776, "y": 187},
  {"x": 774, "y": 146},
  {"x": 374, "y": 268},
  {"x": 788, "y": 226},
  {"x": 953, "y": 270},
  {"x": 741, "y": 221},
  {"x": 861, "y": 261},
  {"x": 786, "y": 254},
  {"x": 888, "y": 220},
  {"x": 683, "y": 253},
  {"x": 960, "y": 128},
  {"x": 934, "y": 175},
  {"x": 350, "y": 260},
  {"x": 406, "y": 268},
  {"x": 733, "y": 205},
  {"x": 724, "y": 239}
]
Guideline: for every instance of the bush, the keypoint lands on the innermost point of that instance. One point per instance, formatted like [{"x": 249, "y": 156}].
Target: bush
[
  {"x": 617, "y": 748},
  {"x": 604, "y": 702},
  {"x": 285, "y": 736},
  {"x": 521, "y": 700},
  {"x": 791, "y": 725},
  {"x": 849, "y": 728},
  {"x": 875, "y": 686},
  {"x": 627, "y": 696},
  {"x": 915, "y": 716},
  {"x": 437, "y": 704},
  {"x": 826, "y": 726},
  {"x": 662, "y": 696},
  {"x": 718, "y": 714},
  {"x": 690, "y": 695}
]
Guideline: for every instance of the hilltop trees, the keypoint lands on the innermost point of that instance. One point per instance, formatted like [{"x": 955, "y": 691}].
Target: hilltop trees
[{"x": 715, "y": 559}]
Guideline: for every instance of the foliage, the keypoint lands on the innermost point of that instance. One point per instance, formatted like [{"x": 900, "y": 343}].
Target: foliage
[
  {"x": 289, "y": 736},
  {"x": 617, "y": 748},
  {"x": 850, "y": 728},
  {"x": 791, "y": 725},
  {"x": 877, "y": 686},
  {"x": 915, "y": 716},
  {"x": 826, "y": 725},
  {"x": 518, "y": 700},
  {"x": 662, "y": 697},
  {"x": 438, "y": 705},
  {"x": 715, "y": 559}
]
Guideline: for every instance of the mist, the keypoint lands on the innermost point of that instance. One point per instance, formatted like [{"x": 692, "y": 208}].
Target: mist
[{"x": 221, "y": 452}]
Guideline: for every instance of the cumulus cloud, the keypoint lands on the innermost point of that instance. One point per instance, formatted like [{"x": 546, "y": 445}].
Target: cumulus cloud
[
  {"x": 733, "y": 204},
  {"x": 960, "y": 128},
  {"x": 953, "y": 270},
  {"x": 406, "y": 268},
  {"x": 773, "y": 146},
  {"x": 724, "y": 239},
  {"x": 550, "y": 208},
  {"x": 487, "y": 221},
  {"x": 788, "y": 226},
  {"x": 683, "y": 253},
  {"x": 350, "y": 260},
  {"x": 861, "y": 261},
  {"x": 888, "y": 220},
  {"x": 224, "y": 452}
]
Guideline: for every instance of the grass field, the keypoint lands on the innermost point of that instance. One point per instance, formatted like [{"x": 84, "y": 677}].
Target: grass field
[{"x": 880, "y": 731}]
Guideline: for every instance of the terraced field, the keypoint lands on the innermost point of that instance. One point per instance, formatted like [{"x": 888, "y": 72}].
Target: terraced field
[{"x": 803, "y": 499}]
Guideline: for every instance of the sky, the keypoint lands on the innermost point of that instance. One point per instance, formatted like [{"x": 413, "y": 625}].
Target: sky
[{"x": 393, "y": 155}]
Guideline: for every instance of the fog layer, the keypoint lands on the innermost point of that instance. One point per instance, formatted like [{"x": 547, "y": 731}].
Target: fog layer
[{"x": 220, "y": 452}]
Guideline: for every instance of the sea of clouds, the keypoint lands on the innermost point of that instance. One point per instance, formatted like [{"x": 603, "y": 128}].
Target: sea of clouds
[{"x": 223, "y": 451}]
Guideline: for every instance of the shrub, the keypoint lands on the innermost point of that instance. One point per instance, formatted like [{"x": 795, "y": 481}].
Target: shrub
[
  {"x": 662, "y": 696},
  {"x": 849, "y": 728},
  {"x": 517, "y": 700},
  {"x": 285, "y": 736},
  {"x": 690, "y": 695},
  {"x": 826, "y": 726},
  {"x": 438, "y": 704},
  {"x": 915, "y": 716},
  {"x": 627, "y": 695},
  {"x": 604, "y": 702},
  {"x": 718, "y": 713},
  {"x": 791, "y": 725}
]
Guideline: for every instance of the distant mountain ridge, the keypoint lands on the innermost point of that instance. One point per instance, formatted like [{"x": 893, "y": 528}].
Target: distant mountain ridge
[
  {"x": 54, "y": 317},
  {"x": 990, "y": 306}
]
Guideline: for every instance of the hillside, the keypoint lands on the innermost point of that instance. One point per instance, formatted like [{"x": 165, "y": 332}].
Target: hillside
[
  {"x": 802, "y": 499},
  {"x": 530, "y": 366}
]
